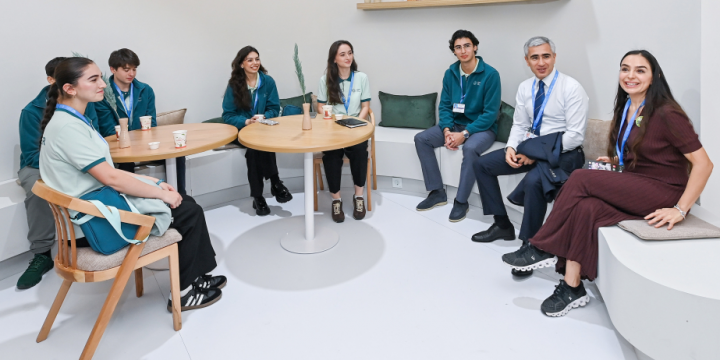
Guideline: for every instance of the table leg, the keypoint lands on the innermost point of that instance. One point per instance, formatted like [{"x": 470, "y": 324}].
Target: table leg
[
  {"x": 171, "y": 172},
  {"x": 311, "y": 241}
]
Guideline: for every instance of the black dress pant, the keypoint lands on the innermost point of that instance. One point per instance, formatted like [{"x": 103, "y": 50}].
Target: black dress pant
[
  {"x": 196, "y": 255},
  {"x": 488, "y": 167},
  {"x": 261, "y": 165},
  {"x": 333, "y": 162}
]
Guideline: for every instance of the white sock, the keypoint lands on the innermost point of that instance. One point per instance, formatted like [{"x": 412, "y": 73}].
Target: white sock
[
  {"x": 183, "y": 292},
  {"x": 337, "y": 199}
]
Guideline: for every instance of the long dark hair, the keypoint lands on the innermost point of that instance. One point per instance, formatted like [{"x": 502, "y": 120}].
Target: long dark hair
[
  {"x": 238, "y": 81},
  {"x": 67, "y": 72},
  {"x": 658, "y": 98},
  {"x": 332, "y": 77}
]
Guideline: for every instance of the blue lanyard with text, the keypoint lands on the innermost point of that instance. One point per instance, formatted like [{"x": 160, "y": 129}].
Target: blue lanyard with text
[
  {"x": 462, "y": 93},
  {"x": 626, "y": 135},
  {"x": 346, "y": 102},
  {"x": 257, "y": 88},
  {"x": 538, "y": 119},
  {"x": 129, "y": 106},
  {"x": 79, "y": 116}
]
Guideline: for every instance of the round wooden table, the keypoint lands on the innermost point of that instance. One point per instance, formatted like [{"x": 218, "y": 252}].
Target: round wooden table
[
  {"x": 200, "y": 137},
  {"x": 289, "y": 137}
]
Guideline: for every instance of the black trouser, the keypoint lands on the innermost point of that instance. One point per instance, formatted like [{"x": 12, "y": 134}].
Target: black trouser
[
  {"x": 180, "y": 167},
  {"x": 195, "y": 252},
  {"x": 333, "y": 162},
  {"x": 261, "y": 165},
  {"x": 488, "y": 167}
]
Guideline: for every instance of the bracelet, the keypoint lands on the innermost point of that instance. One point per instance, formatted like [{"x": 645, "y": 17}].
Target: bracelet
[
  {"x": 683, "y": 213},
  {"x": 160, "y": 181}
]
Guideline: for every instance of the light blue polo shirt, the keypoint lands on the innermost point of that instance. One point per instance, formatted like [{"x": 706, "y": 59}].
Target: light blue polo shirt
[{"x": 360, "y": 94}]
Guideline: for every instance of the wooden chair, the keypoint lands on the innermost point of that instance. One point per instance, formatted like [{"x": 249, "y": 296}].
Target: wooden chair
[
  {"x": 85, "y": 265},
  {"x": 317, "y": 171}
]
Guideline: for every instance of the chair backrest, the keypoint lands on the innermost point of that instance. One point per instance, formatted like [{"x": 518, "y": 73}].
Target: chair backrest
[
  {"x": 60, "y": 204},
  {"x": 171, "y": 117}
]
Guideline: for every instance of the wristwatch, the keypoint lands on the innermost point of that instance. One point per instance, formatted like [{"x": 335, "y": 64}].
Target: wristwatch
[{"x": 466, "y": 134}]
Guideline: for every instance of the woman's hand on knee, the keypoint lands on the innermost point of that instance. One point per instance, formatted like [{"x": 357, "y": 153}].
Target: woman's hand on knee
[
  {"x": 660, "y": 217},
  {"x": 172, "y": 198}
]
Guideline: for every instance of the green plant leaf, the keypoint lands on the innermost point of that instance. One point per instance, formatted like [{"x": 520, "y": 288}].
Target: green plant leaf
[{"x": 299, "y": 72}]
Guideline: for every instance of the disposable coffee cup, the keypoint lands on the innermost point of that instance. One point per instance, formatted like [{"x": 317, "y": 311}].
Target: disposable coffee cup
[
  {"x": 146, "y": 122},
  {"x": 180, "y": 137},
  {"x": 338, "y": 116},
  {"x": 154, "y": 145},
  {"x": 327, "y": 111},
  {"x": 260, "y": 117},
  {"x": 117, "y": 131}
]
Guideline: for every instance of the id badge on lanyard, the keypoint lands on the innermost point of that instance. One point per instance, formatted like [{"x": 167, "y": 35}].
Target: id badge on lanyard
[{"x": 460, "y": 107}]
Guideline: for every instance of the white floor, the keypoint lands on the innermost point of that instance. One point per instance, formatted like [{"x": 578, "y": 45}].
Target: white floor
[{"x": 401, "y": 284}]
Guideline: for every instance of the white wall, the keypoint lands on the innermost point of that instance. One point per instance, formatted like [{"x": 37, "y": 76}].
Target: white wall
[
  {"x": 186, "y": 46},
  {"x": 710, "y": 95}
]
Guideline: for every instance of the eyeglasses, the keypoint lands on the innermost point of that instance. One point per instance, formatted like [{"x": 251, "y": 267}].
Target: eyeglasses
[{"x": 466, "y": 46}]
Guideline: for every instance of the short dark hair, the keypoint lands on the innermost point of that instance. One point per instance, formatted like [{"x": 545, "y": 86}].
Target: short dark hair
[
  {"x": 52, "y": 64},
  {"x": 463, "y": 34},
  {"x": 122, "y": 58}
]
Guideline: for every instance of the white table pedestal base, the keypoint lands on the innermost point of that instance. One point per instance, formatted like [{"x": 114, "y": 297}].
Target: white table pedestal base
[
  {"x": 171, "y": 172},
  {"x": 295, "y": 241}
]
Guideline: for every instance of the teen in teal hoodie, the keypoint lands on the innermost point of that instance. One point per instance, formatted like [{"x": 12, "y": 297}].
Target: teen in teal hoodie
[
  {"x": 143, "y": 104},
  {"x": 469, "y": 107},
  {"x": 251, "y": 92}
]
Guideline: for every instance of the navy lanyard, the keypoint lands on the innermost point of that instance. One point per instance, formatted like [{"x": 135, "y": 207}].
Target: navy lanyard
[
  {"x": 462, "y": 93},
  {"x": 257, "y": 88},
  {"x": 129, "y": 106},
  {"x": 79, "y": 116},
  {"x": 626, "y": 135},
  {"x": 538, "y": 119},
  {"x": 346, "y": 102}
]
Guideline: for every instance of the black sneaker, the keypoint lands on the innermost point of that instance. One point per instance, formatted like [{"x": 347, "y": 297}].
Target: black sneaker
[
  {"x": 564, "y": 299},
  {"x": 459, "y": 211},
  {"x": 260, "y": 206},
  {"x": 209, "y": 281},
  {"x": 280, "y": 192},
  {"x": 39, "y": 265},
  {"x": 529, "y": 258},
  {"x": 197, "y": 298},
  {"x": 435, "y": 198}
]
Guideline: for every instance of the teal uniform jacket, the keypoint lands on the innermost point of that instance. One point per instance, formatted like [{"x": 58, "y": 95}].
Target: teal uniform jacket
[
  {"x": 143, "y": 105},
  {"x": 482, "y": 102},
  {"x": 268, "y": 103},
  {"x": 30, "y": 123}
]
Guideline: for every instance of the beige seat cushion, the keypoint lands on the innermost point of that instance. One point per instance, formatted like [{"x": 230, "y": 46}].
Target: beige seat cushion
[
  {"x": 89, "y": 260},
  {"x": 171, "y": 117},
  {"x": 690, "y": 228},
  {"x": 596, "y": 138}
]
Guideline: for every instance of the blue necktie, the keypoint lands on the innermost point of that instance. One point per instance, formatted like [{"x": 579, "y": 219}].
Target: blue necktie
[{"x": 539, "y": 98}]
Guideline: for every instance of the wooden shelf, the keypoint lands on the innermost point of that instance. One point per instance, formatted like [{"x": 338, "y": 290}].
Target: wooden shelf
[{"x": 426, "y": 3}]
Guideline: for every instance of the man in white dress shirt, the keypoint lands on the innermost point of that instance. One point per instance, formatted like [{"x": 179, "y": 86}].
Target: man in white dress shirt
[{"x": 547, "y": 103}]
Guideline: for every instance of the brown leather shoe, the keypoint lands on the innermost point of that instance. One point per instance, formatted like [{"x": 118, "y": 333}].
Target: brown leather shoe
[
  {"x": 358, "y": 208},
  {"x": 338, "y": 215}
]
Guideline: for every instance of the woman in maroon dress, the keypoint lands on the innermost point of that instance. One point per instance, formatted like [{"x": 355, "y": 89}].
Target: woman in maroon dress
[{"x": 656, "y": 150}]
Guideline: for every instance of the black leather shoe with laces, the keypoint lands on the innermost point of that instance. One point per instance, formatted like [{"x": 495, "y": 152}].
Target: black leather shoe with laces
[
  {"x": 493, "y": 233},
  {"x": 564, "y": 299},
  {"x": 280, "y": 192},
  {"x": 260, "y": 206}
]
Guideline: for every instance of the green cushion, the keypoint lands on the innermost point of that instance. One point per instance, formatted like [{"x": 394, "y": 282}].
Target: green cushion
[
  {"x": 296, "y": 101},
  {"x": 403, "y": 111},
  {"x": 504, "y": 122},
  {"x": 215, "y": 120}
]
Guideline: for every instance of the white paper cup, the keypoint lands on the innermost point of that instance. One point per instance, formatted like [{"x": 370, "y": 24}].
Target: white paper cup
[
  {"x": 327, "y": 111},
  {"x": 338, "y": 116},
  {"x": 117, "y": 131},
  {"x": 154, "y": 145},
  {"x": 260, "y": 117},
  {"x": 180, "y": 137},
  {"x": 146, "y": 122}
]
